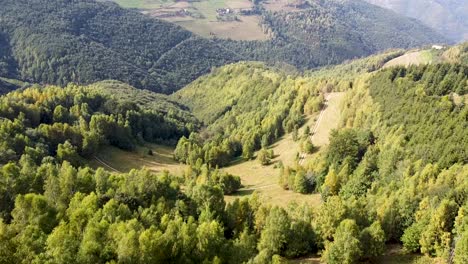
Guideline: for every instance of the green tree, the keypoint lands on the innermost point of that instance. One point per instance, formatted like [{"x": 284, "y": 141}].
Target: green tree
[
  {"x": 329, "y": 216},
  {"x": 346, "y": 247},
  {"x": 248, "y": 150},
  {"x": 67, "y": 152},
  {"x": 461, "y": 248},
  {"x": 275, "y": 234},
  {"x": 372, "y": 240},
  {"x": 263, "y": 157},
  {"x": 436, "y": 238},
  {"x": 301, "y": 184},
  {"x": 60, "y": 114}
]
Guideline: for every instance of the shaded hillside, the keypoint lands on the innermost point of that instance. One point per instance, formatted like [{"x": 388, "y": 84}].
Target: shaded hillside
[
  {"x": 148, "y": 100},
  {"x": 450, "y": 18},
  {"x": 63, "y": 41},
  {"x": 6, "y": 86}
]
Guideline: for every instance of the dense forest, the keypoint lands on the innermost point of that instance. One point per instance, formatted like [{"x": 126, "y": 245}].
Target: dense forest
[{"x": 62, "y": 41}]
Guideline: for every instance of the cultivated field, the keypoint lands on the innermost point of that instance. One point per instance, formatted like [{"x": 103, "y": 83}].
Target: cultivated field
[
  {"x": 281, "y": 5},
  {"x": 201, "y": 17}
]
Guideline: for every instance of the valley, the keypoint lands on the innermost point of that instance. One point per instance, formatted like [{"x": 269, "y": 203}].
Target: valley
[{"x": 228, "y": 132}]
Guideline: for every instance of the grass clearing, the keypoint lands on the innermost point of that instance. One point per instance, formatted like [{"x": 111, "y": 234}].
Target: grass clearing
[
  {"x": 280, "y": 5},
  {"x": 247, "y": 28},
  {"x": 330, "y": 119},
  {"x": 414, "y": 58},
  {"x": 125, "y": 161},
  {"x": 264, "y": 179},
  {"x": 255, "y": 177}
]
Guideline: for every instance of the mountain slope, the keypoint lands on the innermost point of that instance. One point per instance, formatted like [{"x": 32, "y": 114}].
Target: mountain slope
[
  {"x": 62, "y": 41},
  {"x": 448, "y": 17},
  {"x": 329, "y": 32},
  {"x": 84, "y": 41}
]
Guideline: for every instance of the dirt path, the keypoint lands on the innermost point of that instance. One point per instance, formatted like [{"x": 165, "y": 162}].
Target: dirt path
[
  {"x": 105, "y": 164},
  {"x": 327, "y": 120},
  {"x": 330, "y": 118}
]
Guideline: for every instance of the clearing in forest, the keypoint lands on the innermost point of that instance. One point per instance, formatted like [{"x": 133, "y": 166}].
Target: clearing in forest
[
  {"x": 264, "y": 179},
  {"x": 412, "y": 58},
  {"x": 255, "y": 177},
  {"x": 115, "y": 159},
  {"x": 329, "y": 119}
]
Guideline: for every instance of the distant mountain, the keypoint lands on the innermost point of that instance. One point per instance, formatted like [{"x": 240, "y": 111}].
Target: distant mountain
[
  {"x": 331, "y": 31},
  {"x": 62, "y": 41},
  {"x": 449, "y": 17}
]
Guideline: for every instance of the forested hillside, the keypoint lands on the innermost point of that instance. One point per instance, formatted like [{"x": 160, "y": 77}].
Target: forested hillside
[
  {"x": 245, "y": 107},
  {"x": 75, "y": 121},
  {"x": 396, "y": 172},
  {"x": 401, "y": 160},
  {"x": 62, "y": 41},
  {"x": 329, "y": 32}
]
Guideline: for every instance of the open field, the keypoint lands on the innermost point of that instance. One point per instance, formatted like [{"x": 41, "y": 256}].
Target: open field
[
  {"x": 281, "y": 5},
  {"x": 143, "y": 4},
  {"x": 114, "y": 159},
  {"x": 247, "y": 28},
  {"x": 330, "y": 119},
  {"x": 264, "y": 179},
  {"x": 201, "y": 17},
  {"x": 413, "y": 58}
]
